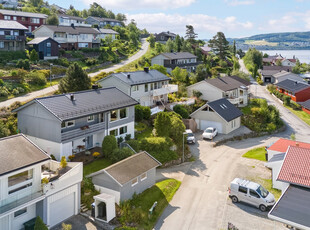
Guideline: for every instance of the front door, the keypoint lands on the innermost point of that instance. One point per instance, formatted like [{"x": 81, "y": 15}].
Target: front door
[{"x": 89, "y": 142}]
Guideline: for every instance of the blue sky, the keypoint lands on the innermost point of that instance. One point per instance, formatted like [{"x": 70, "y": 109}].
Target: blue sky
[{"x": 236, "y": 18}]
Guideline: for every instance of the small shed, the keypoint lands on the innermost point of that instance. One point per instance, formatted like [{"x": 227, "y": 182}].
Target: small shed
[
  {"x": 104, "y": 207},
  {"x": 46, "y": 47}
]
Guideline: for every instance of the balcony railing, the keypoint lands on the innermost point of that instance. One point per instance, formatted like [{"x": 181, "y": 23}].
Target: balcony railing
[
  {"x": 97, "y": 40},
  {"x": 165, "y": 90},
  {"x": 12, "y": 38},
  {"x": 182, "y": 65},
  {"x": 82, "y": 131}
]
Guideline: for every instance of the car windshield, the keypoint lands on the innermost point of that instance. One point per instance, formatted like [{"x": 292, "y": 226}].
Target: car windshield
[
  {"x": 190, "y": 135},
  {"x": 208, "y": 131},
  {"x": 262, "y": 191}
]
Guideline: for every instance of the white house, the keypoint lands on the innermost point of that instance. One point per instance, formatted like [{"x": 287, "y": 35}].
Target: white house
[
  {"x": 220, "y": 114},
  {"x": 288, "y": 62},
  {"x": 65, "y": 124},
  {"x": 233, "y": 88},
  {"x": 184, "y": 60},
  {"x": 69, "y": 20},
  {"x": 148, "y": 87},
  {"x": 102, "y": 22},
  {"x": 23, "y": 197},
  {"x": 107, "y": 32},
  {"x": 70, "y": 37}
]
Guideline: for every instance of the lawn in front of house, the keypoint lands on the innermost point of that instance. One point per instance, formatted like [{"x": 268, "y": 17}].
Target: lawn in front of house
[
  {"x": 256, "y": 153},
  {"x": 301, "y": 114},
  {"x": 96, "y": 166},
  {"x": 267, "y": 184},
  {"x": 136, "y": 210}
]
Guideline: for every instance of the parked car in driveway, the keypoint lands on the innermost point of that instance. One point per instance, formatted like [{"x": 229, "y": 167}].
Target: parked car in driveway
[
  {"x": 209, "y": 133},
  {"x": 190, "y": 137},
  {"x": 252, "y": 193}
]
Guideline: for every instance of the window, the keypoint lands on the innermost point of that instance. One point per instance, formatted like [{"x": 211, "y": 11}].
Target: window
[
  {"x": 152, "y": 86},
  {"x": 7, "y": 17},
  {"x": 134, "y": 182},
  {"x": 16, "y": 33},
  {"x": 23, "y": 19},
  {"x": 1, "y": 45},
  {"x": 155, "y": 85},
  {"x": 20, "y": 212},
  {"x": 233, "y": 123},
  {"x": 253, "y": 193},
  {"x": 101, "y": 117},
  {"x": 113, "y": 115},
  {"x": 123, "y": 113},
  {"x": 123, "y": 130},
  {"x": 146, "y": 87},
  {"x": 243, "y": 189},
  {"x": 23, "y": 186},
  {"x": 114, "y": 132},
  {"x": 48, "y": 44},
  {"x": 135, "y": 88},
  {"x": 143, "y": 176},
  {"x": 14, "y": 18},
  {"x": 70, "y": 124},
  {"x": 20, "y": 177},
  {"x": 90, "y": 118},
  {"x": 35, "y": 20}
]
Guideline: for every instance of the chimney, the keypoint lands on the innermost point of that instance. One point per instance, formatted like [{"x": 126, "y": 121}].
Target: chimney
[
  {"x": 146, "y": 69},
  {"x": 72, "y": 97},
  {"x": 297, "y": 144},
  {"x": 128, "y": 75},
  {"x": 72, "y": 25},
  {"x": 95, "y": 86}
]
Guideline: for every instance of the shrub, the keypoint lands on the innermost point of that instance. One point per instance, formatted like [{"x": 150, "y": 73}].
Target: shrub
[
  {"x": 33, "y": 55},
  {"x": 44, "y": 180},
  {"x": 127, "y": 137},
  {"x": 286, "y": 100},
  {"x": 180, "y": 109},
  {"x": 134, "y": 144},
  {"x": 1, "y": 82},
  {"x": 20, "y": 89},
  {"x": 96, "y": 154},
  {"x": 15, "y": 91},
  {"x": 91, "y": 61},
  {"x": 45, "y": 72},
  {"x": 109, "y": 143},
  {"x": 36, "y": 78},
  {"x": 39, "y": 224},
  {"x": 155, "y": 144},
  {"x": 164, "y": 156},
  {"x": 63, "y": 162},
  {"x": 120, "y": 154},
  {"x": 197, "y": 93},
  {"x": 271, "y": 88},
  {"x": 71, "y": 157},
  {"x": 142, "y": 112},
  {"x": 120, "y": 140},
  {"x": 4, "y": 92},
  {"x": 295, "y": 105},
  {"x": 23, "y": 64},
  {"x": 53, "y": 157},
  {"x": 259, "y": 81}
]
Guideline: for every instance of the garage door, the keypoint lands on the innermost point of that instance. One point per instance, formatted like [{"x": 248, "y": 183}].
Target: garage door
[
  {"x": 62, "y": 209},
  {"x": 205, "y": 124}
]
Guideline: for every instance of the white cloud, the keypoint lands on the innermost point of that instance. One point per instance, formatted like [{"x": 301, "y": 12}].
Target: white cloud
[
  {"x": 203, "y": 24},
  {"x": 239, "y": 2},
  {"x": 140, "y": 4}
]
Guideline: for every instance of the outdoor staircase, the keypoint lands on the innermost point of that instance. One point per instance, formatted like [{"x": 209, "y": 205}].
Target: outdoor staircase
[{"x": 84, "y": 208}]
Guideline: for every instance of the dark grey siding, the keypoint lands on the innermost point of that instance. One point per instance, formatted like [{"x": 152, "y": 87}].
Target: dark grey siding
[
  {"x": 106, "y": 181},
  {"x": 130, "y": 118}
]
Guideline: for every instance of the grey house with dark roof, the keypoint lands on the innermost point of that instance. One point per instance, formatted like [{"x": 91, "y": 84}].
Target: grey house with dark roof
[
  {"x": 64, "y": 124},
  {"x": 184, "y": 60},
  {"x": 163, "y": 37},
  {"x": 46, "y": 47},
  {"x": 23, "y": 196},
  {"x": 220, "y": 114},
  {"x": 148, "y": 87},
  {"x": 102, "y": 22},
  {"x": 233, "y": 88}
]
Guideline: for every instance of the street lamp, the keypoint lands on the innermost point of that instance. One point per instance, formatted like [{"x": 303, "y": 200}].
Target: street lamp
[
  {"x": 184, "y": 133},
  {"x": 51, "y": 65}
]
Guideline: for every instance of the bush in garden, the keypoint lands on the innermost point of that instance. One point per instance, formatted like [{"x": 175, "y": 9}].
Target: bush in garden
[
  {"x": 180, "y": 109},
  {"x": 120, "y": 154},
  {"x": 15, "y": 91},
  {"x": 155, "y": 144},
  {"x": 91, "y": 61},
  {"x": 286, "y": 100},
  {"x": 197, "y": 93},
  {"x": 120, "y": 140},
  {"x": 45, "y": 72},
  {"x": 134, "y": 144},
  {"x": 39, "y": 224},
  {"x": 36, "y": 78},
  {"x": 127, "y": 137},
  {"x": 4, "y": 92},
  {"x": 33, "y": 55},
  {"x": 63, "y": 162},
  {"x": 295, "y": 105},
  {"x": 1, "y": 82},
  {"x": 20, "y": 89},
  {"x": 109, "y": 143},
  {"x": 142, "y": 112},
  {"x": 23, "y": 64}
]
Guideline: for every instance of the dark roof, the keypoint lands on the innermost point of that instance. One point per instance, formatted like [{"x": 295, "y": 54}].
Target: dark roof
[
  {"x": 71, "y": 17},
  {"x": 71, "y": 30},
  {"x": 107, "y": 31},
  {"x": 243, "y": 81},
  {"x": 105, "y": 19},
  {"x": 168, "y": 33},
  {"x": 305, "y": 104},
  {"x": 277, "y": 157},
  {"x": 17, "y": 152},
  {"x": 6, "y": 24},
  {"x": 277, "y": 67},
  {"x": 293, "y": 206},
  {"x": 22, "y": 14},
  {"x": 225, "y": 109},
  {"x": 179, "y": 55},
  {"x": 85, "y": 103},
  {"x": 269, "y": 72},
  {"x": 293, "y": 86},
  {"x": 226, "y": 83},
  {"x": 39, "y": 40},
  {"x": 140, "y": 77}
]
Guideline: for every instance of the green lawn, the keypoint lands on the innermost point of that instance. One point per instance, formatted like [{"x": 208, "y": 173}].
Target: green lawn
[
  {"x": 96, "y": 166},
  {"x": 301, "y": 114},
  {"x": 267, "y": 184},
  {"x": 137, "y": 209},
  {"x": 146, "y": 133},
  {"x": 257, "y": 153}
]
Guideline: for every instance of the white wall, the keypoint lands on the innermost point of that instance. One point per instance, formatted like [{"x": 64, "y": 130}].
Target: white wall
[
  {"x": 209, "y": 92},
  {"x": 43, "y": 32},
  {"x": 159, "y": 60},
  {"x": 130, "y": 129},
  {"x": 114, "y": 193},
  {"x": 17, "y": 222}
]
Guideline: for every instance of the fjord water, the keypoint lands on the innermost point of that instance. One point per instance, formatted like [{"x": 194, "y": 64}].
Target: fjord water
[{"x": 302, "y": 55}]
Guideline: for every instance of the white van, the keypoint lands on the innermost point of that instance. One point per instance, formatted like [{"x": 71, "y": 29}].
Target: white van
[
  {"x": 190, "y": 137},
  {"x": 251, "y": 193}
]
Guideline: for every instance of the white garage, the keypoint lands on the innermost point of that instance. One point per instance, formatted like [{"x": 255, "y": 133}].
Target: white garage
[
  {"x": 62, "y": 205},
  {"x": 205, "y": 124}
]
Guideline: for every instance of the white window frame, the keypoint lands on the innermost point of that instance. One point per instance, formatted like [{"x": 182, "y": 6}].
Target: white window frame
[
  {"x": 143, "y": 176},
  {"x": 119, "y": 114},
  {"x": 134, "y": 182},
  {"x": 69, "y": 126},
  {"x": 1, "y": 45},
  {"x": 116, "y": 132},
  {"x": 135, "y": 88},
  {"x": 124, "y": 132},
  {"x": 90, "y": 118}
]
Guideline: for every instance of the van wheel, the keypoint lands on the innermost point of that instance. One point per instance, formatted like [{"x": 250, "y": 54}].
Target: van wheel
[
  {"x": 262, "y": 208},
  {"x": 234, "y": 199}
]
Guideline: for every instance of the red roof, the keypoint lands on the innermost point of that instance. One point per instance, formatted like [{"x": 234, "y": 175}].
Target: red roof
[
  {"x": 296, "y": 166},
  {"x": 281, "y": 145},
  {"x": 292, "y": 60}
]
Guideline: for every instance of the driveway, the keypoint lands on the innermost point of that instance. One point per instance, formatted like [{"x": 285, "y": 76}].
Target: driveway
[
  {"x": 78, "y": 222},
  {"x": 54, "y": 88},
  {"x": 202, "y": 200}
]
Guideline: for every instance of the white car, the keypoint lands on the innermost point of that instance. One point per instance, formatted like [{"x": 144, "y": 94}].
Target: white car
[
  {"x": 251, "y": 193},
  {"x": 209, "y": 133},
  {"x": 190, "y": 137}
]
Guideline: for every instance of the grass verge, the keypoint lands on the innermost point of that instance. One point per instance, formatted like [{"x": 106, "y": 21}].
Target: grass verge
[
  {"x": 257, "y": 153},
  {"x": 96, "y": 166},
  {"x": 267, "y": 184},
  {"x": 301, "y": 114},
  {"x": 136, "y": 210}
]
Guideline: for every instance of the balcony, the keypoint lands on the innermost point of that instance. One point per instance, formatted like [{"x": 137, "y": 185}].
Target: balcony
[
  {"x": 82, "y": 131},
  {"x": 166, "y": 89},
  {"x": 234, "y": 101},
  {"x": 97, "y": 40},
  {"x": 12, "y": 38},
  {"x": 182, "y": 65}
]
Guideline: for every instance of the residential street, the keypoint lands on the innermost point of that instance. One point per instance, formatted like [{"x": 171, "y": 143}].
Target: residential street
[{"x": 52, "y": 89}]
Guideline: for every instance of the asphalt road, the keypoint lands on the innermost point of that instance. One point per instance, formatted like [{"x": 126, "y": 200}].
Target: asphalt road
[{"x": 49, "y": 90}]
